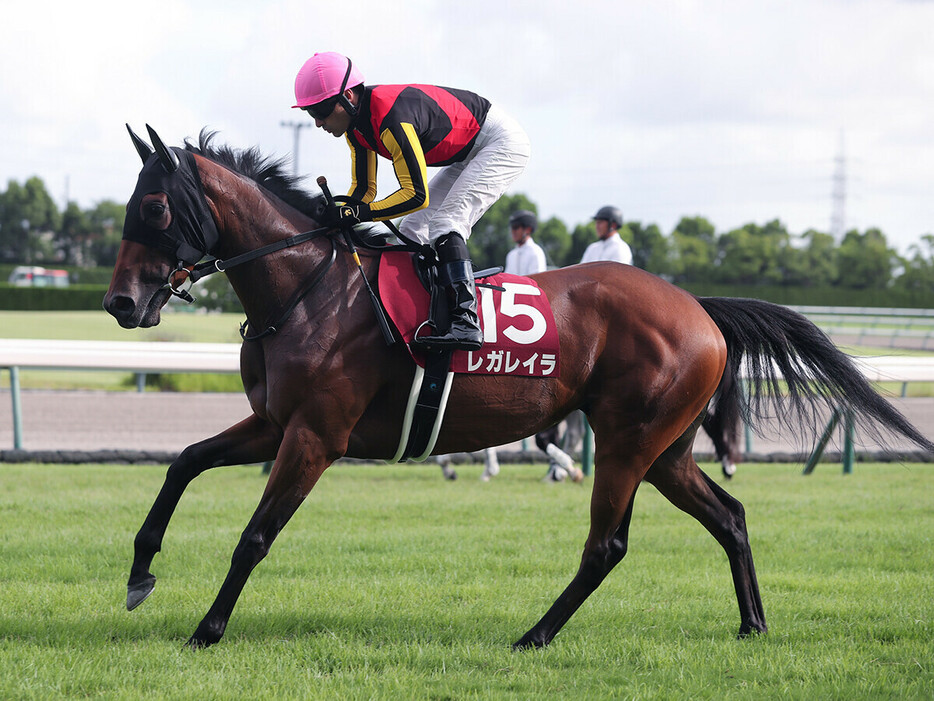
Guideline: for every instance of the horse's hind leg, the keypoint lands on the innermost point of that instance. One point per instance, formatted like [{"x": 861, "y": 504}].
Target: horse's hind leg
[
  {"x": 251, "y": 440},
  {"x": 606, "y": 546},
  {"x": 683, "y": 483}
]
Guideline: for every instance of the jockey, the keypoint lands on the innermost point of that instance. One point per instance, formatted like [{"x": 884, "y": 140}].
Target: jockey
[{"x": 480, "y": 149}]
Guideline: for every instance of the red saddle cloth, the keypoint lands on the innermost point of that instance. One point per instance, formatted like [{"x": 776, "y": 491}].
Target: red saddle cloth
[{"x": 519, "y": 333}]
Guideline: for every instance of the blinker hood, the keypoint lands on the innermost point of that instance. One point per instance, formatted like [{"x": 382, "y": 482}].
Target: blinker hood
[{"x": 192, "y": 233}]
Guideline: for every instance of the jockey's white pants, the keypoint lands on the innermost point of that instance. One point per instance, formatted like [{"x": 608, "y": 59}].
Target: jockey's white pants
[{"x": 460, "y": 193}]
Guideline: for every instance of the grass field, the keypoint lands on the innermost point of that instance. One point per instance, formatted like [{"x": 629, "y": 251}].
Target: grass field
[{"x": 391, "y": 583}]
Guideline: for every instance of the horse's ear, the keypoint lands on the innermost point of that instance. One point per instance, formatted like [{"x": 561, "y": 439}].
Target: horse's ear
[
  {"x": 142, "y": 148},
  {"x": 166, "y": 155}
]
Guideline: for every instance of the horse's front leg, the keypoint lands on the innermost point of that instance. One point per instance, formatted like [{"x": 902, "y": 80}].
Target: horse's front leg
[
  {"x": 301, "y": 460},
  {"x": 251, "y": 440}
]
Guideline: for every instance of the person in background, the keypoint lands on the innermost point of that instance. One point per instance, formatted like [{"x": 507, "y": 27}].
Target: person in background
[
  {"x": 609, "y": 245},
  {"x": 527, "y": 258}
]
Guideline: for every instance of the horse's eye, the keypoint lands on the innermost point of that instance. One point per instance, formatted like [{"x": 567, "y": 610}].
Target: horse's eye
[{"x": 156, "y": 214}]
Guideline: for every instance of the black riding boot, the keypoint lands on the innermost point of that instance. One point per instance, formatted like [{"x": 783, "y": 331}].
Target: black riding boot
[{"x": 456, "y": 276}]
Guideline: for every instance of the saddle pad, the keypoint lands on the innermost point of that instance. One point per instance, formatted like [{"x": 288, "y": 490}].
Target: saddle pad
[{"x": 519, "y": 333}]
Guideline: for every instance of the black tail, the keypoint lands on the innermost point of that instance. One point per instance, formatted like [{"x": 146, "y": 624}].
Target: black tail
[{"x": 780, "y": 349}]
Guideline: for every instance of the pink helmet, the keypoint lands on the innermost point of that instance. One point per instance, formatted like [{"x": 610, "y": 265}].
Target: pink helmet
[{"x": 324, "y": 75}]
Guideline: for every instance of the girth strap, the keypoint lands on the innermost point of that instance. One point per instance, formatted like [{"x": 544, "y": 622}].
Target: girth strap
[
  {"x": 428, "y": 412},
  {"x": 424, "y": 412}
]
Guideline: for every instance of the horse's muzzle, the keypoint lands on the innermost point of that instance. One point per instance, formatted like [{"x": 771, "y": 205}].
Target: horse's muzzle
[
  {"x": 131, "y": 315},
  {"x": 123, "y": 309}
]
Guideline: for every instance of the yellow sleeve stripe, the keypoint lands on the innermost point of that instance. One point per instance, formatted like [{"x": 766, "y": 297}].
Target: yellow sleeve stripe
[
  {"x": 408, "y": 162},
  {"x": 362, "y": 172}
]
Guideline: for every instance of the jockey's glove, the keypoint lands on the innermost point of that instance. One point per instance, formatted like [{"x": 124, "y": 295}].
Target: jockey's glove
[{"x": 349, "y": 211}]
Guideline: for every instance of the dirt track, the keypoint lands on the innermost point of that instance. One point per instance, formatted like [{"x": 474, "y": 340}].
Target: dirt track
[{"x": 155, "y": 426}]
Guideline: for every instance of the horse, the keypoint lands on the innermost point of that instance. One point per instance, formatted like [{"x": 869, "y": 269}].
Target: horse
[{"x": 641, "y": 357}]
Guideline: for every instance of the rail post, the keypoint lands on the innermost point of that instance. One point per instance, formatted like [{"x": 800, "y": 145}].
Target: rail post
[
  {"x": 822, "y": 442},
  {"x": 587, "y": 449},
  {"x": 17, "y": 409},
  {"x": 849, "y": 446},
  {"x": 849, "y": 450}
]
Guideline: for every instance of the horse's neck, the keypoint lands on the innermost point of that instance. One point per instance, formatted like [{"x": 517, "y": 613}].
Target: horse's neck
[{"x": 248, "y": 218}]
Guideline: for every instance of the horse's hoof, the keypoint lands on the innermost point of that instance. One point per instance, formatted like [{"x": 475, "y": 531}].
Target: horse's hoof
[
  {"x": 195, "y": 643},
  {"x": 205, "y": 636},
  {"x": 138, "y": 593},
  {"x": 526, "y": 642},
  {"x": 750, "y": 630}
]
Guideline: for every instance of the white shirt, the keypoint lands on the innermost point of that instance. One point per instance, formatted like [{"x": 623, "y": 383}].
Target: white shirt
[
  {"x": 610, "y": 248},
  {"x": 526, "y": 259}
]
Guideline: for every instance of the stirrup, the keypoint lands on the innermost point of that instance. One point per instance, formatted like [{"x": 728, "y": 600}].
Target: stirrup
[{"x": 446, "y": 342}]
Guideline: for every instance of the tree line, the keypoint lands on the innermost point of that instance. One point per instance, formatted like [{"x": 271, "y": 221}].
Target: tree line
[
  {"x": 34, "y": 231},
  {"x": 751, "y": 255}
]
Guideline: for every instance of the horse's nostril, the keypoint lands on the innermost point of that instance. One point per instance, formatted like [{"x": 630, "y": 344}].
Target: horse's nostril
[{"x": 121, "y": 305}]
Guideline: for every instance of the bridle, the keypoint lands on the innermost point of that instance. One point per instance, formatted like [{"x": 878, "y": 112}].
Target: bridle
[{"x": 190, "y": 274}]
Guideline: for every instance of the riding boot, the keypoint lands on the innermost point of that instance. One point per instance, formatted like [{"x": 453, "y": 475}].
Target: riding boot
[{"x": 456, "y": 277}]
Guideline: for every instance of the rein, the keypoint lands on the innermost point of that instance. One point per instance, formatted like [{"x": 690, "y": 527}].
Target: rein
[
  {"x": 196, "y": 272},
  {"x": 192, "y": 273},
  {"x": 300, "y": 293}
]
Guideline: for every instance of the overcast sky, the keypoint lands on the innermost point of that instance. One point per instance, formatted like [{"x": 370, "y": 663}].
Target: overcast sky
[{"x": 736, "y": 111}]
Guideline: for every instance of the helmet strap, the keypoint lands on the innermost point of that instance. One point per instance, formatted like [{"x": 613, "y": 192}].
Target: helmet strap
[{"x": 348, "y": 106}]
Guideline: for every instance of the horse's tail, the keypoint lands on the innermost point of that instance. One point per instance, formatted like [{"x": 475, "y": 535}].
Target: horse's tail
[{"x": 780, "y": 349}]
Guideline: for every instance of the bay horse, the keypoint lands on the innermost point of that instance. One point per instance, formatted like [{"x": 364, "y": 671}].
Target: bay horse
[{"x": 641, "y": 357}]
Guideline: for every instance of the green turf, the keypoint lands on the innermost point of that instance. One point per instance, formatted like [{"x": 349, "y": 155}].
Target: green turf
[{"x": 391, "y": 583}]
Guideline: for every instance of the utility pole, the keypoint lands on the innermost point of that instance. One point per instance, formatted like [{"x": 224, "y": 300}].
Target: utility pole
[
  {"x": 296, "y": 128},
  {"x": 838, "y": 215}
]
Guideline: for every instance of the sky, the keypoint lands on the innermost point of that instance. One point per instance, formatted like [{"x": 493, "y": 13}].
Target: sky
[{"x": 737, "y": 111}]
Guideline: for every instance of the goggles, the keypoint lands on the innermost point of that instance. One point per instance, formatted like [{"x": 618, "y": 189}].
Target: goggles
[{"x": 322, "y": 110}]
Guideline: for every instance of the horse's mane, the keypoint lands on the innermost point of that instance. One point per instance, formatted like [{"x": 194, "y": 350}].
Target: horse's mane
[{"x": 265, "y": 171}]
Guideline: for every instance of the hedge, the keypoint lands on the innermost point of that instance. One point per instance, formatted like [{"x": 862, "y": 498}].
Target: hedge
[{"x": 74, "y": 298}]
